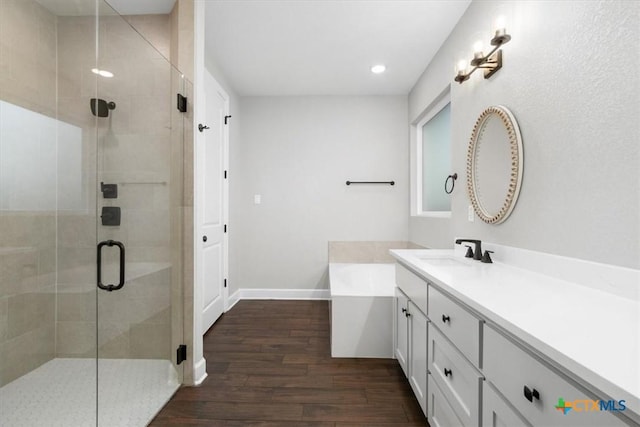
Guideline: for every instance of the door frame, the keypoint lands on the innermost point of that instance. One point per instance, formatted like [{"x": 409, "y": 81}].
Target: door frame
[{"x": 195, "y": 357}]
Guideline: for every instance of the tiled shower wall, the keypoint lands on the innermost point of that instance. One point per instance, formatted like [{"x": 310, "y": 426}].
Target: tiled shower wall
[
  {"x": 132, "y": 150},
  {"x": 140, "y": 144},
  {"x": 27, "y": 238}
]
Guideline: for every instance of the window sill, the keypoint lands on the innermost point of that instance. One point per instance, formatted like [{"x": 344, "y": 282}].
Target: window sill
[{"x": 434, "y": 214}]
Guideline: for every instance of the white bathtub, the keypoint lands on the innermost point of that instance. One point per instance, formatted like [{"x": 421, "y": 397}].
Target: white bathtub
[{"x": 362, "y": 309}]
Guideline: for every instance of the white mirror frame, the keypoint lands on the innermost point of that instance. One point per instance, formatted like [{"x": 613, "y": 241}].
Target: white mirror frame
[{"x": 515, "y": 179}]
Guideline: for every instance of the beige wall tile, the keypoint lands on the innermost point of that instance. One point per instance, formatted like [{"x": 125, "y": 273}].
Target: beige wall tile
[
  {"x": 148, "y": 253},
  {"x": 29, "y": 311},
  {"x": 116, "y": 347},
  {"x": 358, "y": 252},
  {"x": 150, "y": 341},
  {"x": 381, "y": 253},
  {"x": 28, "y": 80},
  {"x": 364, "y": 252},
  {"x": 26, "y": 352},
  {"x": 76, "y": 306},
  {"x": 4, "y": 318},
  {"x": 76, "y": 339},
  {"x": 19, "y": 269},
  {"x": 156, "y": 29},
  {"x": 148, "y": 227}
]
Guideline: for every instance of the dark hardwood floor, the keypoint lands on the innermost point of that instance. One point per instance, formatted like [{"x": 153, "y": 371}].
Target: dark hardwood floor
[{"x": 269, "y": 364}]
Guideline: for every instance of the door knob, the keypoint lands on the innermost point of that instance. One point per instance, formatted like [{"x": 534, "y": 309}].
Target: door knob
[
  {"x": 204, "y": 238},
  {"x": 202, "y": 127}
]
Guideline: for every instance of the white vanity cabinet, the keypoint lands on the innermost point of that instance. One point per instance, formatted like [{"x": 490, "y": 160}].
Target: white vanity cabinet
[
  {"x": 418, "y": 325},
  {"x": 411, "y": 331},
  {"x": 454, "y": 358},
  {"x": 457, "y": 379},
  {"x": 533, "y": 389},
  {"x": 401, "y": 350},
  {"x": 456, "y": 323},
  {"x": 489, "y": 363}
]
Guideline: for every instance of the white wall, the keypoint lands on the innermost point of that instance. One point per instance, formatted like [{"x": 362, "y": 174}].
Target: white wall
[
  {"x": 570, "y": 77},
  {"x": 297, "y": 153}
]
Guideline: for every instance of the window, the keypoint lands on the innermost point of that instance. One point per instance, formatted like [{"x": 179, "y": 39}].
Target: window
[{"x": 433, "y": 160}]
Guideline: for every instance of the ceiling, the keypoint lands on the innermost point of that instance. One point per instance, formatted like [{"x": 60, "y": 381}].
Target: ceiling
[{"x": 326, "y": 47}]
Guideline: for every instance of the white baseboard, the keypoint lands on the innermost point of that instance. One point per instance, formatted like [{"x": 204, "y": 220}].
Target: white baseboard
[
  {"x": 281, "y": 294},
  {"x": 199, "y": 372}
]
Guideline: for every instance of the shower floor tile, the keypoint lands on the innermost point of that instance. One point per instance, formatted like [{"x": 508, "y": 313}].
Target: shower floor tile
[{"x": 62, "y": 392}]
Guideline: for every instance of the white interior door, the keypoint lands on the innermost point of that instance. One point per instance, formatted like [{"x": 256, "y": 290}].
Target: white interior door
[{"x": 211, "y": 202}]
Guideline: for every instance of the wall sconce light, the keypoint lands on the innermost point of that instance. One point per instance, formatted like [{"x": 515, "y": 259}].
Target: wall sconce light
[{"x": 491, "y": 62}]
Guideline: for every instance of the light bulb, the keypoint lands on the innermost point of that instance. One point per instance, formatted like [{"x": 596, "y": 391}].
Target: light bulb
[
  {"x": 377, "y": 69},
  {"x": 477, "y": 47},
  {"x": 500, "y": 23},
  {"x": 461, "y": 67}
]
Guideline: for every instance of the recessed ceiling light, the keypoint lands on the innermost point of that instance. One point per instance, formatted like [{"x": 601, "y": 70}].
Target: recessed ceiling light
[
  {"x": 103, "y": 73},
  {"x": 377, "y": 69}
]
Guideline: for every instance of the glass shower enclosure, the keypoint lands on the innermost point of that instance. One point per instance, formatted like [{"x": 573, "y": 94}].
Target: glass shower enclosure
[{"x": 92, "y": 132}]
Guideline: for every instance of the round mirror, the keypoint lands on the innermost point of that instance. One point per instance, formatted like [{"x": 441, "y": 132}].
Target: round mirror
[{"x": 494, "y": 164}]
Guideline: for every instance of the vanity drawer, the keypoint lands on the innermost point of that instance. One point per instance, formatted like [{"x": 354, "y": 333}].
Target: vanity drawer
[
  {"x": 459, "y": 381},
  {"x": 441, "y": 414},
  {"x": 456, "y": 323},
  {"x": 510, "y": 369},
  {"x": 496, "y": 412},
  {"x": 414, "y": 287}
]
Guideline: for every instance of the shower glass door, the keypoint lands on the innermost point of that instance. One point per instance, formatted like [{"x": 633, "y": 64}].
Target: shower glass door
[
  {"x": 91, "y": 184},
  {"x": 139, "y": 152}
]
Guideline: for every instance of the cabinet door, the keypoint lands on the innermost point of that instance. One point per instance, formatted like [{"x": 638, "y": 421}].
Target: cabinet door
[
  {"x": 496, "y": 412},
  {"x": 535, "y": 391},
  {"x": 402, "y": 331},
  {"x": 459, "y": 381},
  {"x": 418, "y": 354},
  {"x": 440, "y": 413}
]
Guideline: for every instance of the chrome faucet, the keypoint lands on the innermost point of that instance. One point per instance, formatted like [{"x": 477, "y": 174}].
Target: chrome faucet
[{"x": 477, "y": 252}]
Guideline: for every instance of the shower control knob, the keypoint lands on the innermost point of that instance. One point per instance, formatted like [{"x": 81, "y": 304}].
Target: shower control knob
[{"x": 204, "y": 238}]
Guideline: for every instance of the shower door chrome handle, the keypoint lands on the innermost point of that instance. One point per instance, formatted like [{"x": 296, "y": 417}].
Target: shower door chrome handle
[{"x": 99, "y": 263}]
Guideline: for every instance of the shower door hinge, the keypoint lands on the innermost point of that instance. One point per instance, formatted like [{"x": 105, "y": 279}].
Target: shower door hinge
[
  {"x": 182, "y": 103},
  {"x": 181, "y": 354},
  {"x": 226, "y": 118},
  {"x": 225, "y": 228},
  {"x": 225, "y": 283}
]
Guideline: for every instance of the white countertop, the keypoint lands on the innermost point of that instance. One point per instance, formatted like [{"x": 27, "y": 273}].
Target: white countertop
[{"x": 591, "y": 335}]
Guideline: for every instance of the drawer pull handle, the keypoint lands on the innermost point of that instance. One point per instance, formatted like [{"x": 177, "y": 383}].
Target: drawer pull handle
[
  {"x": 531, "y": 394},
  {"x": 447, "y": 372},
  {"x": 446, "y": 319},
  {"x": 404, "y": 310},
  {"x": 407, "y": 314}
]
